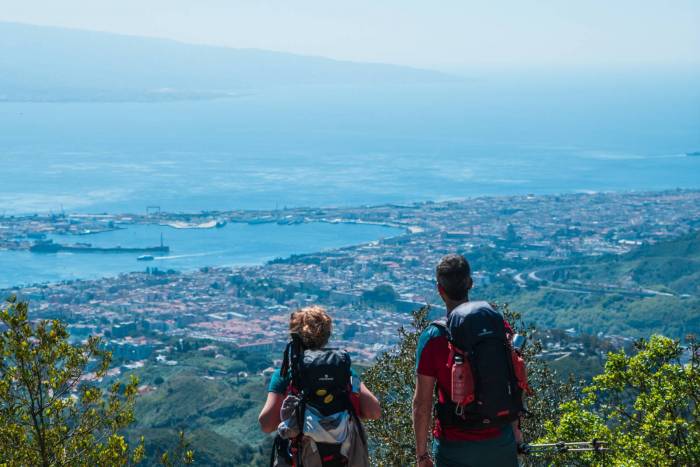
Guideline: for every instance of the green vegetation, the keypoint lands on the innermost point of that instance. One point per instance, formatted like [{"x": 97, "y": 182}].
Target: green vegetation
[
  {"x": 51, "y": 411},
  {"x": 392, "y": 380},
  {"x": 672, "y": 266},
  {"x": 57, "y": 407},
  {"x": 645, "y": 407},
  {"x": 204, "y": 396},
  {"x": 610, "y": 313},
  {"x": 610, "y": 293}
]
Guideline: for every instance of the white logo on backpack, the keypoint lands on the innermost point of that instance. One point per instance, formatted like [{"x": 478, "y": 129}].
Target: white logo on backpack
[
  {"x": 485, "y": 332},
  {"x": 326, "y": 378}
]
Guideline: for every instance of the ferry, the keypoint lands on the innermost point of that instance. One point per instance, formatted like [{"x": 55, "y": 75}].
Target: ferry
[
  {"x": 49, "y": 246},
  {"x": 145, "y": 258}
]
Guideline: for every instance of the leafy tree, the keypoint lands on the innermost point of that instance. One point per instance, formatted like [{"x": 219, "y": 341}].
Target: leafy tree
[
  {"x": 182, "y": 455},
  {"x": 549, "y": 391},
  {"x": 645, "y": 407},
  {"x": 52, "y": 412},
  {"x": 392, "y": 379}
]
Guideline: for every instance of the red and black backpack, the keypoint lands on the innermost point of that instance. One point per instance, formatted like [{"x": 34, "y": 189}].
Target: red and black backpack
[{"x": 486, "y": 371}]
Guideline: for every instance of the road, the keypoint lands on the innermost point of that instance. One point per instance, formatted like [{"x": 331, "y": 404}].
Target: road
[{"x": 533, "y": 277}]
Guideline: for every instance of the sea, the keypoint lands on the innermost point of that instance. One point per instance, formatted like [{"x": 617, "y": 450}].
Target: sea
[{"x": 483, "y": 135}]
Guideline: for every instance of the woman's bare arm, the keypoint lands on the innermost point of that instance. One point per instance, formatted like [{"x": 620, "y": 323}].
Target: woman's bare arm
[
  {"x": 269, "y": 417},
  {"x": 369, "y": 405}
]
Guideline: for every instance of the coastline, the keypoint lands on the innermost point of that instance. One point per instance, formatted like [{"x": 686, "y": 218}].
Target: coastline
[
  {"x": 413, "y": 221},
  {"x": 191, "y": 249}
]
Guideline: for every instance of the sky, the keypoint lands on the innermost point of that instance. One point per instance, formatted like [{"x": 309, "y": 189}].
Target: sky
[{"x": 446, "y": 34}]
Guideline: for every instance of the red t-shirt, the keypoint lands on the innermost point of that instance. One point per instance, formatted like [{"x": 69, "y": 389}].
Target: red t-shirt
[{"x": 432, "y": 354}]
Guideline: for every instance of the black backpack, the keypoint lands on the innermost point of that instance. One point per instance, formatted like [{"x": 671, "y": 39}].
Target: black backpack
[
  {"x": 477, "y": 336},
  {"x": 321, "y": 378}
]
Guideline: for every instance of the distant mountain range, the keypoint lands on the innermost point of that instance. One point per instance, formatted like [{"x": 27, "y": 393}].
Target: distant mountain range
[{"x": 46, "y": 63}]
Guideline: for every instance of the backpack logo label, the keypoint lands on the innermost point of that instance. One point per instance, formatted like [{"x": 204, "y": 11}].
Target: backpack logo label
[
  {"x": 326, "y": 378},
  {"x": 485, "y": 332}
]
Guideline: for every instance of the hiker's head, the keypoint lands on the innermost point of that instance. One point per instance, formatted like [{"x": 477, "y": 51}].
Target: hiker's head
[
  {"x": 313, "y": 325},
  {"x": 454, "y": 278}
]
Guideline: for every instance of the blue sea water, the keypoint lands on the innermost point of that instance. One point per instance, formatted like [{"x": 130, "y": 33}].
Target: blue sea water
[
  {"x": 354, "y": 145},
  {"x": 341, "y": 146},
  {"x": 233, "y": 245}
]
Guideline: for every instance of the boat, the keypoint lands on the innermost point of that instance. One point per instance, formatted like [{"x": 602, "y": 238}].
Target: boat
[
  {"x": 220, "y": 223},
  {"x": 693, "y": 154},
  {"x": 49, "y": 246},
  {"x": 145, "y": 258},
  {"x": 45, "y": 246}
]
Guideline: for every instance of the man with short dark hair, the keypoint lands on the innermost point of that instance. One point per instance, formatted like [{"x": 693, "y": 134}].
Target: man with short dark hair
[
  {"x": 452, "y": 446},
  {"x": 453, "y": 275}
]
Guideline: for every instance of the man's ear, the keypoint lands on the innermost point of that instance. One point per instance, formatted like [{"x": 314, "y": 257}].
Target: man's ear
[
  {"x": 470, "y": 283},
  {"x": 441, "y": 291}
]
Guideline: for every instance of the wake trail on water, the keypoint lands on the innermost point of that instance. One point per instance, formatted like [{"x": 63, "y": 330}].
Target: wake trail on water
[{"x": 191, "y": 255}]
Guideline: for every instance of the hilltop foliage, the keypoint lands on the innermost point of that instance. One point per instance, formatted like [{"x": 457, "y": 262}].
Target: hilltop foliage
[
  {"x": 645, "y": 407},
  {"x": 51, "y": 411}
]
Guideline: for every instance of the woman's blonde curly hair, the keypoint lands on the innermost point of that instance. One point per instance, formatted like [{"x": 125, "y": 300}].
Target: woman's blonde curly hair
[{"x": 313, "y": 325}]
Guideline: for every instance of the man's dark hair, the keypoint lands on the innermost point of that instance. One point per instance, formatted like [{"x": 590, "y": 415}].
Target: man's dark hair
[{"x": 453, "y": 274}]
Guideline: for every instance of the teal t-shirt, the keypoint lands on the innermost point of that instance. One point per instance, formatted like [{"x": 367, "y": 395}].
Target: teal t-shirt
[
  {"x": 279, "y": 385},
  {"x": 429, "y": 333}
]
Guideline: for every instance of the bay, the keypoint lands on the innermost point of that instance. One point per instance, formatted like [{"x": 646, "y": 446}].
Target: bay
[
  {"x": 233, "y": 245},
  {"x": 334, "y": 146}
]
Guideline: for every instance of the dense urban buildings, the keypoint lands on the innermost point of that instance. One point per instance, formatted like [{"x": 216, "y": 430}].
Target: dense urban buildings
[{"x": 369, "y": 288}]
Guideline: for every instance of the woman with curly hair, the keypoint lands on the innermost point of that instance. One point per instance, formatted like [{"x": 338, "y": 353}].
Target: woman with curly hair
[{"x": 313, "y": 325}]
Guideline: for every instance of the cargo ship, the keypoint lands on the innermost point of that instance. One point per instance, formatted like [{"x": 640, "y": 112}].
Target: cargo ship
[{"x": 49, "y": 246}]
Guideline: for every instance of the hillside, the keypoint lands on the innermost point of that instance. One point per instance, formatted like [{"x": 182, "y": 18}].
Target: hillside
[
  {"x": 653, "y": 289},
  {"x": 45, "y": 63},
  {"x": 203, "y": 396},
  {"x": 672, "y": 267},
  {"x": 215, "y": 413}
]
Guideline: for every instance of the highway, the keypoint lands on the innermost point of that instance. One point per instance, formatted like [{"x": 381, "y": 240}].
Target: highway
[{"x": 522, "y": 279}]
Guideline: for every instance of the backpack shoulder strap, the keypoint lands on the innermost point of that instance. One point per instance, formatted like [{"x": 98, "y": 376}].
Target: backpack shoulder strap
[
  {"x": 293, "y": 353},
  {"x": 284, "y": 370},
  {"x": 441, "y": 326}
]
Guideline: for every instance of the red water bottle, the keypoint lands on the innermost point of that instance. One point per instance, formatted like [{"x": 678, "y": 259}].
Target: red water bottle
[
  {"x": 462, "y": 381},
  {"x": 520, "y": 371}
]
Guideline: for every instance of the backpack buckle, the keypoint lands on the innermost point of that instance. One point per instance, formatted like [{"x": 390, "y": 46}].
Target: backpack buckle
[{"x": 459, "y": 410}]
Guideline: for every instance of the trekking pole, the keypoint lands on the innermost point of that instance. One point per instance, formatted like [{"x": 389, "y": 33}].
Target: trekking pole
[{"x": 561, "y": 447}]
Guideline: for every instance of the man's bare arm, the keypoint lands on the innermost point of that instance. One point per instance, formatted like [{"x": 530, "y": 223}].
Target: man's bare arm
[{"x": 422, "y": 411}]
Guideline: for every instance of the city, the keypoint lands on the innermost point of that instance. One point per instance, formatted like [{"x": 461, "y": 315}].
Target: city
[{"x": 369, "y": 288}]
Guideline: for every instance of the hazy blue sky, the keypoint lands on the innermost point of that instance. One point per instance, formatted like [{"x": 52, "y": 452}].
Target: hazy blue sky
[{"x": 447, "y": 34}]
